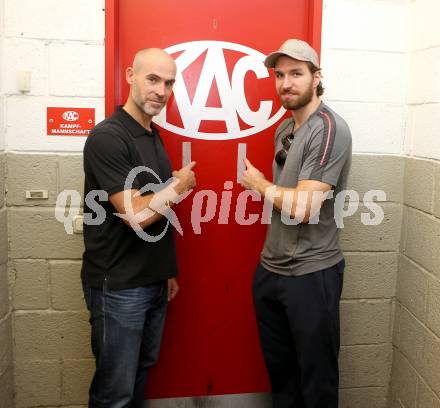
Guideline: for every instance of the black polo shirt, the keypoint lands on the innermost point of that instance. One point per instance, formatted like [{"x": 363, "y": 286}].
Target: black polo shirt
[{"x": 113, "y": 250}]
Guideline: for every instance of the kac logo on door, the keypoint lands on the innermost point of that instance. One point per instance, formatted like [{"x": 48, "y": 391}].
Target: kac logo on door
[
  {"x": 231, "y": 91},
  {"x": 70, "y": 116}
]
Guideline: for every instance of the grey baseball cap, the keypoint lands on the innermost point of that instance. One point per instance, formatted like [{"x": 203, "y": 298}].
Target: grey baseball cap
[{"x": 296, "y": 49}]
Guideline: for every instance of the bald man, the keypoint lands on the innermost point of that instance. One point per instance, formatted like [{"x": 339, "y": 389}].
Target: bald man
[{"x": 129, "y": 263}]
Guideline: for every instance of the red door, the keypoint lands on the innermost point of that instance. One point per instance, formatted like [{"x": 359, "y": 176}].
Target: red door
[{"x": 224, "y": 106}]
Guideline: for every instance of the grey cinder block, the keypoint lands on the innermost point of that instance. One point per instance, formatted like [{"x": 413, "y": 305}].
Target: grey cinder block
[
  {"x": 418, "y": 186},
  {"x": 35, "y": 233},
  {"x": 31, "y": 172},
  {"x": 423, "y": 236},
  {"x": 369, "y": 275},
  {"x": 376, "y": 172}
]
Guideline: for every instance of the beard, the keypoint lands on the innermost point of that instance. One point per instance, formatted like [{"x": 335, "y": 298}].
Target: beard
[
  {"x": 145, "y": 106},
  {"x": 301, "y": 101},
  {"x": 148, "y": 109}
]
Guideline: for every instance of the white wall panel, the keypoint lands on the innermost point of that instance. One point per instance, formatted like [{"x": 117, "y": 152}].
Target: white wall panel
[
  {"x": 55, "y": 19},
  {"x": 26, "y": 123}
]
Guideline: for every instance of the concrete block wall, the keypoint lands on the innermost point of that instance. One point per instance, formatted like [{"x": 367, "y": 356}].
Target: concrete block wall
[
  {"x": 51, "y": 329},
  {"x": 369, "y": 285},
  {"x": 6, "y": 358},
  {"x": 365, "y": 78},
  {"x": 364, "y": 59},
  {"x": 64, "y": 51},
  {"x": 416, "y": 340},
  {"x": 424, "y": 81}
]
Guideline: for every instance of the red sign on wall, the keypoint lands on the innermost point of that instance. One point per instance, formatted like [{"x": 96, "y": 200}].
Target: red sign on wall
[{"x": 70, "y": 121}]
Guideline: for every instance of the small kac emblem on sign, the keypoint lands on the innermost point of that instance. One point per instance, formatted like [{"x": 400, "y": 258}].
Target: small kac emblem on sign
[{"x": 71, "y": 116}]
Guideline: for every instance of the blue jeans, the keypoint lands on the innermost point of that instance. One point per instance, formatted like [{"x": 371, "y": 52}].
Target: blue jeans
[{"x": 127, "y": 328}]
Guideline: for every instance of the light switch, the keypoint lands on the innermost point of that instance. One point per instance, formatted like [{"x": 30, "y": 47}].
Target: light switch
[
  {"x": 37, "y": 194},
  {"x": 78, "y": 221},
  {"x": 24, "y": 80}
]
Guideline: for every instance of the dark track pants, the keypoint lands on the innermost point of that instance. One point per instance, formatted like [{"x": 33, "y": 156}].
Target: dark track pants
[{"x": 298, "y": 322}]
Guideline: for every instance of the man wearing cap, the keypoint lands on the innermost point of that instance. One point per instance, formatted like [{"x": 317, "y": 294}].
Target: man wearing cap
[{"x": 298, "y": 282}]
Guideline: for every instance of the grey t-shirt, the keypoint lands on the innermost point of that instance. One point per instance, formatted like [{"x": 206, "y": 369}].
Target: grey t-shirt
[{"x": 320, "y": 150}]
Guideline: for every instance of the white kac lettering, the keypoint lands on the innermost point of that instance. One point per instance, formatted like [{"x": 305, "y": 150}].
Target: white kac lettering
[{"x": 231, "y": 93}]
